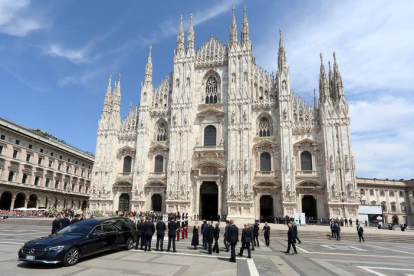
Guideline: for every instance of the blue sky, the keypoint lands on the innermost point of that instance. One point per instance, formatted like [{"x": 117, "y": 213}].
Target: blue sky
[{"x": 56, "y": 57}]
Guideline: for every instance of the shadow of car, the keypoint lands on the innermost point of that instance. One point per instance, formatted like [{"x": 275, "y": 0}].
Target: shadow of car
[{"x": 79, "y": 240}]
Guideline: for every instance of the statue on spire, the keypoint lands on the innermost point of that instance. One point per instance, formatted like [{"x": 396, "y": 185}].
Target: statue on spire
[
  {"x": 148, "y": 67},
  {"x": 282, "y": 61},
  {"x": 245, "y": 28},
  {"x": 180, "y": 37},
  {"x": 233, "y": 31},
  {"x": 190, "y": 35}
]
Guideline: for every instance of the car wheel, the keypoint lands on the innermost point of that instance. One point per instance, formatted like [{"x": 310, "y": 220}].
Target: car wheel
[
  {"x": 71, "y": 257},
  {"x": 129, "y": 244}
]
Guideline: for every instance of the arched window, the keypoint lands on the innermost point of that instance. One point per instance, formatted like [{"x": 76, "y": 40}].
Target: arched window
[
  {"x": 265, "y": 162},
  {"x": 127, "y": 164},
  {"x": 211, "y": 90},
  {"x": 161, "y": 131},
  {"x": 306, "y": 161},
  {"x": 159, "y": 164},
  {"x": 265, "y": 128},
  {"x": 210, "y": 136}
]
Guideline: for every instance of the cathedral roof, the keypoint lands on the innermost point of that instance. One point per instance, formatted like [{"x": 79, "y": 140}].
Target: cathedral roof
[{"x": 212, "y": 53}]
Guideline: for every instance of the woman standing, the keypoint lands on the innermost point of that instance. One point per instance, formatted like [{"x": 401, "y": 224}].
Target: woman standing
[
  {"x": 216, "y": 238},
  {"x": 194, "y": 241}
]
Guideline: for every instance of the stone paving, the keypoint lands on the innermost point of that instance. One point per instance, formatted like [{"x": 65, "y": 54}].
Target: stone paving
[{"x": 316, "y": 257}]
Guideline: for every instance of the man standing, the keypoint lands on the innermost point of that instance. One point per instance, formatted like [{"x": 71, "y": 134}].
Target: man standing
[
  {"x": 295, "y": 229},
  {"x": 75, "y": 220},
  {"x": 172, "y": 231},
  {"x": 140, "y": 233},
  {"x": 64, "y": 221},
  {"x": 333, "y": 234},
  {"x": 337, "y": 231},
  {"x": 149, "y": 230},
  {"x": 246, "y": 240},
  {"x": 350, "y": 222},
  {"x": 56, "y": 224},
  {"x": 291, "y": 239},
  {"x": 233, "y": 238},
  {"x": 266, "y": 230},
  {"x": 160, "y": 234},
  {"x": 209, "y": 237},
  {"x": 203, "y": 232},
  {"x": 216, "y": 238},
  {"x": 360, "y": 233},
  {"x": 225, "y": 236},
  {"x": 252, "y": 237}
]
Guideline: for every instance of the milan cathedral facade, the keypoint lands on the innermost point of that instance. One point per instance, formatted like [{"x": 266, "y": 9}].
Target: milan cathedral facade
[{"x": 221, "y": 135}]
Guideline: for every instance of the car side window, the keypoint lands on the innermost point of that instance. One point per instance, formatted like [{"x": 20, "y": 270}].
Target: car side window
[
  {"x": 123, "y": 225},
  {"x": 98, "y": 230},
  {"x": 108, "y": 228}
]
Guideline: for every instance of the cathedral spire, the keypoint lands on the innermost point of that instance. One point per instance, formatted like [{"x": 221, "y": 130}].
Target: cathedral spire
[
  {"x": 245, "y": 28},
  {"x": 180, "y": 38},
  {"x": 190, "y": 36},
  {"x": 233, "y": 31},
  {"x": 315, "y": 102},
  {"x": 148, "y": 67},
  {"x": 281, "y": 60},
  {"x": 337, "y": 80},
  {"x": 323, "y": 82},
  {"x": 107, "y": 107}
]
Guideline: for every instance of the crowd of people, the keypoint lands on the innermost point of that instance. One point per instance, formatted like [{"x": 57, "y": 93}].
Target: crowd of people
[{"x": 24, "y": 213}]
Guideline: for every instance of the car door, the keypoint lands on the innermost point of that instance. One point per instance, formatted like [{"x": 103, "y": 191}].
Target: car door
[
  {"x": 95, "y": 242},
  {"x": 111, "y": 234}
]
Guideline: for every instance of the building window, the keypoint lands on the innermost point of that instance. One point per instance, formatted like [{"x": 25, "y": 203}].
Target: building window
[
  {"x": 15, "y": 152},
  {"x": 403, "y": 208},
  {"x": 3, "y": 137},
  {"x": 76, "y": 170},
  {"x": 306, "y": 161},
  {"x": 159, "y": 164},
  {"x": 41, "y": 150},
  {"x": 68, "y": 159},
  {"x": 363, "y": 202},
  {"x": 50, "y": 164},
  {"x": 211, "y": 90},
  {"x": 28, "y": 156},
  {"x": 80, "y": 189},
  {"x": 373, "y": 202},
  {"x": 39, "y": 162},
  {"x": 265, "y": 162},
  {"x": 59, "y": 166},
  {"x": 82, "y": 172},
  {"x": 265, "y": 128},
  {"x": 73, "y": 187},
  {"x": 37, "y": 181},
  {"x": 83, "y": 165},
  {"x": 76, "y": 162},
  {"x": 161, "y": 131},
  {"x": 51, "y": 154},
  {"x": 86, "y": 190},
  {"x": 30, "y": 146},
  {"x": 393, "y": 207},
  {"x": 371, "y": 192},
  {"x": 362, "y": 192},
  {"x": 127, "y": 164},
  {"x": 401, "y": 193},
  {"x": 11, "y": 176},
  {"x": 384, "y": 206},
  {"x": 61, "y": 157},
  {"x": 67, "y": 169},
  {"x": 1, "y": 149},
  {"x": 210, "y": 133},
  {"x": 382, "y": 193},
  {"x": 17, "y": 142},
  {"x": 65, "y": 186},
  {"x": 24, "y": 178},
  {"x": 47, "y": 182},
  {"x": 391, "y": 193},
  {"x": 57, "y": 184}
]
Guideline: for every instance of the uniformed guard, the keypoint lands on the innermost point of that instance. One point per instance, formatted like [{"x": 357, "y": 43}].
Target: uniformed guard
[
  {"x": 178, "y": 225},
  {"x": 186, "y": 225}
]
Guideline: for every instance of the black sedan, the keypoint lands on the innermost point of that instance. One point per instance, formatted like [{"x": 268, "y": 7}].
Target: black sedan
[{"x": 79, "y": 240}]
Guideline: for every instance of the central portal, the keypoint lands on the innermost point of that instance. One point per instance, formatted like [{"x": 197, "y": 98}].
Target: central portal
[
  {"x": 309, "y": 206},
  {"x": 156, "y": 203},
  {"x": 209, "y": 201}
]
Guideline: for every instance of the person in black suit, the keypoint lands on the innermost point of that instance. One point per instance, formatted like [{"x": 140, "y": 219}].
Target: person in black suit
[
  {"x": 210, "y": 237},
  {"x": 360, "y": 232},
  {"x": 56, "y": 224},
  {"x": 140, "y": 234},
  {"x": 256, "y": 230},
  {"x": 225, "y": 236},
  {"x": 149, "y": 230},
  {"x": 203, "y": 232},
  {"x": 295, "y": 229},
  {"x": 75, "y": 220},
  {"x": 291, "y": 239},
  {"x": 216, "y": 238},
  {"x": 160, "y": 234},
  {"x": 172, "y": 231},
  {"x": 64, "y": 221},
  {"x": 232, "y": 238},
  {"x": 266, "y": 230},
  {"x": 252, "y": 237},
  {"x": 246, "y": 240}
]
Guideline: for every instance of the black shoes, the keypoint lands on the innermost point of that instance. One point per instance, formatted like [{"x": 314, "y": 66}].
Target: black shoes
[{"x": 287, "y": 252}]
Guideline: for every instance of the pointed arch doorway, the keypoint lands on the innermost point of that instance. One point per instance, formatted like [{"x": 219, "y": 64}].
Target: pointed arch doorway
[
  {"x": 309, "y": 206},
  {"x": 156, "y": 203}
]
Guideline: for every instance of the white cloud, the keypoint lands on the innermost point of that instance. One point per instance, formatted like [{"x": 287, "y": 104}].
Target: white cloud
[
  {"x": 74, "y": 56},
  {"x": 383, "y": 133},
  {"x": 16, "y": 19}
]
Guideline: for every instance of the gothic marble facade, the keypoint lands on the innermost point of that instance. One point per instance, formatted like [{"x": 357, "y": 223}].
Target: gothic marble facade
[{"x": 222, "y": 134}]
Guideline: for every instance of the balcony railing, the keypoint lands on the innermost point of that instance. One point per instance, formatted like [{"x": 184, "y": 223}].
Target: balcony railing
[
  {"x": 270, "y": 174},
  {"x": 157, "y": 175}
]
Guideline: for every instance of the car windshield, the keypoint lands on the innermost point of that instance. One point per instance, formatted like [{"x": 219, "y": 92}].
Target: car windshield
[{"x": 76, "y": 229}]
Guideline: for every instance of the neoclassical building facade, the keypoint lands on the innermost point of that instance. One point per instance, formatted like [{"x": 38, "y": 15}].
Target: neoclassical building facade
[
  {"x": 40, "y": 171},
  {"x": 221, "y": 135}
]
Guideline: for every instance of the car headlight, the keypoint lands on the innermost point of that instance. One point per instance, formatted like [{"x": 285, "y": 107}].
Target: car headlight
[{"x": 56, "y": 248}]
